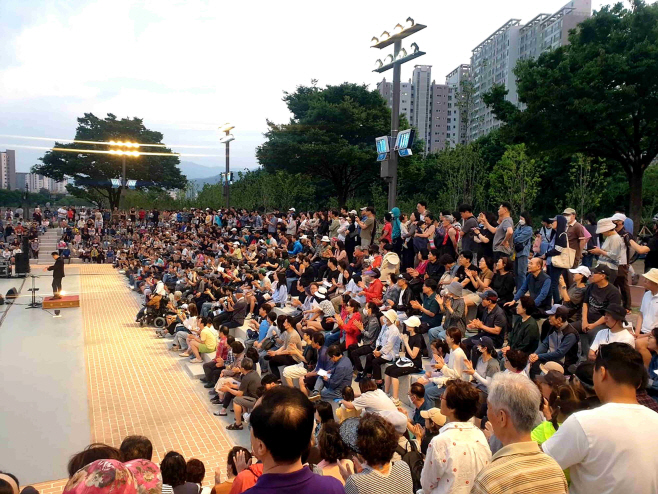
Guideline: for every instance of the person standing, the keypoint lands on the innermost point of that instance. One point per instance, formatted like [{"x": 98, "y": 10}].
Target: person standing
[
  {"x": 58, "y": 274},
  {"x": 503, "y": 232}
]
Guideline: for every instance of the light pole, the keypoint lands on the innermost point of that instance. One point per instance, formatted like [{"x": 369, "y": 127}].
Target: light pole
[
  {"x": 226, "y": 139},
  {"x": 389, "y": 170},
  {"x": 123, "y": 151}
]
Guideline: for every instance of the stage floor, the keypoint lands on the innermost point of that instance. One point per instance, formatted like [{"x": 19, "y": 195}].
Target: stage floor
[{"x": 44, "y": 414}]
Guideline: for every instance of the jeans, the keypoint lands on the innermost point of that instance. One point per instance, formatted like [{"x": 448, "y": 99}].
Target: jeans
[
  {"x": 327, "y": 393},
  {"x": 205, "y": 309},
  {"x": 331, "y": 338},
  {"x": 437, "y": 333},
  {"x": 588, "y": 260},
  {"x": 520, "y": 270},
  {"x": 433, "y": 392},
  {"x": 180, "y": 339},
  {"x": 289, "y": 283},
  {"x": 555, "y": 274}
]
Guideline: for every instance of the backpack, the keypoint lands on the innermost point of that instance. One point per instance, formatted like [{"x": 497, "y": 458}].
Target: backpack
[{"x": 414, "y": 459}]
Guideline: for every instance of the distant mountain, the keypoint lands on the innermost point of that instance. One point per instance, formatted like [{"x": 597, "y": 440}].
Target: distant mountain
[
  {"x": 199, "y": 182},
  {"x": 193, "y": 170}
]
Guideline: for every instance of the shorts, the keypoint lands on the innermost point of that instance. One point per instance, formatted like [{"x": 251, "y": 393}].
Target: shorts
[
  {"x": 246, "y": 402},
  {"x": 294, "y": 371},
  {"x": 203, "y": 348}
]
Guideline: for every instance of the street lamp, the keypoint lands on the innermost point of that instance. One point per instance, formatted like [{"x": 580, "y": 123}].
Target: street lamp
[
  {"x": 123, "y": 149},
  {"x": 389, "y": 170},
  {"x": 226, "y": 139}
]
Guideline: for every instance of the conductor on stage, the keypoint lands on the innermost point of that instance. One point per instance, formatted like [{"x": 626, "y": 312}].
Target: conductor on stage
[{"x": 58, "y": 274}]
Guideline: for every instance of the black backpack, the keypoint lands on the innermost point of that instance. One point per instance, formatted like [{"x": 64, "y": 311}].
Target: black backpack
[{"x": 414, "y": 459}]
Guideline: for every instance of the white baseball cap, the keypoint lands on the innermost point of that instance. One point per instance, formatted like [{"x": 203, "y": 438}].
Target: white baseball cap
[
  {"x": 584, "y": 270},
  {"x": 618, "y": 217},
  {"x": 413, "y": 321}
]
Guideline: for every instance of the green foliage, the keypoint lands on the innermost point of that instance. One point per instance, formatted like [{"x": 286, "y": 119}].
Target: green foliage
[
  {"x": 15, "y": 198},
  {"x": 331, "y": 137},
  {"x": 598, "y": 95},
  {"x": 92, "y": 171},
  {"x": 588, "y": 183},
  {"x": 516, "y": 178}
]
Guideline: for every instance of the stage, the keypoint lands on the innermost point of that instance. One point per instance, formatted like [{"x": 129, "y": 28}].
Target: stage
[{"x": 44, "y": 414}]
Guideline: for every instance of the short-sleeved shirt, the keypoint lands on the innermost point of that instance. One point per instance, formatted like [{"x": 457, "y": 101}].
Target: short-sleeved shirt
[
  {"x": 208, "y": 338},
  {"x": 461, "y": 276},
  {"x": 493, "y": 318},
  {"x": 250, "y": 383},
  {"x": 374, "y": 401},
  {"x": 366, "y": 232},
  {"x": 416, "y": 341},
  {"x": 501, "y": 233},
  {"x": 606, "y": 336},
  {"x": 574, "y": 233},
  {"x": 598, "y": 300},
  {"x": 649, "y": 310},
  {"x": 430, "y": 304},
  {"x": 468, "y": 235}
]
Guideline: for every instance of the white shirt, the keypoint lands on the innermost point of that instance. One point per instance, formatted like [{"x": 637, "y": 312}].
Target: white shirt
[
  {"x": 609, "y": 450},
  {"x": 649, "y": 310},
  {"x": 374, "y": 401},
  {"x": 606, "y": 336},
  {"x": 454, "y": 458},
  {"x": 453, "y": 368}
]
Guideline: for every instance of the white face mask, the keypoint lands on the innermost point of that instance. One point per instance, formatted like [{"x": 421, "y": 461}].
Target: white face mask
[{"x": 521, "y": 221}]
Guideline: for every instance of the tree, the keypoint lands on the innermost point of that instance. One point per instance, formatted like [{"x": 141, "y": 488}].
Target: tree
[
  {"x": 515, "y": 178},
  {"x": 92, "y": 172},
  {"x": 598, "y": 95},
  {"x": 588, "y": 182},
  {"x": 331, "y": 136}
]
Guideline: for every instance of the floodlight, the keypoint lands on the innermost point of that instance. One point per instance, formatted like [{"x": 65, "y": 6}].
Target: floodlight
[
  {"x": 227, "y": 139},
  {"x": 402, "y": 54},
  {"x": 385, "y": 35},
  {"x": 415, "y": 47},
  {"x": 398, "y": 29},
  {"x": 227, "y": 127},
  {"x": 409, "y": 23},
  {"x": 386, "y": 60},
  {"x": 374, "y": 41}
]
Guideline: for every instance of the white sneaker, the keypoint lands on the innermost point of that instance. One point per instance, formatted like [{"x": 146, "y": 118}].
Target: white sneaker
[{"x": 245, "y": 416}]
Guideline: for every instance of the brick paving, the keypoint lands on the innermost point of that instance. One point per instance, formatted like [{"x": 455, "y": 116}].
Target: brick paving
[{"x": 135, "y": 385}]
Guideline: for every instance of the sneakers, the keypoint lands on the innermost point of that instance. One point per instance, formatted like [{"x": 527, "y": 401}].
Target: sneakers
[{"x": 359, "y": 377}]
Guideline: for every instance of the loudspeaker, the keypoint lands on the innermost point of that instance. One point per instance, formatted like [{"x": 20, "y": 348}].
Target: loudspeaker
[
  {"x": 22, "y": 263},
  {"x": 12, "y": 294}
]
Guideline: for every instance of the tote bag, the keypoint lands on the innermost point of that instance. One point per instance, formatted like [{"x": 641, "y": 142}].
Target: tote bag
[{"x": 566, "y": 258}]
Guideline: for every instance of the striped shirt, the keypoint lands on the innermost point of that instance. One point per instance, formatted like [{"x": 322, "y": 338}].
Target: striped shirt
[
  {"x": 369, "y": 481},
  {"x": 521, "y": 468}
]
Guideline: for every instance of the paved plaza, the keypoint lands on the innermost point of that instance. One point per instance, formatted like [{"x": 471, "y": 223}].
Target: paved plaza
[{"x": 93, "y": 375}]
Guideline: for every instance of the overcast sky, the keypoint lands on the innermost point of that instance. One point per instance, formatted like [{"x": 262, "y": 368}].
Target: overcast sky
[{"x": 188, "y": 66}]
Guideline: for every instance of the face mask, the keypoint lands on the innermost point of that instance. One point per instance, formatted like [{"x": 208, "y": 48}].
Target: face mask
[
  {"x": 481, "y": 226},
  {"x": 521, "y": 221}
]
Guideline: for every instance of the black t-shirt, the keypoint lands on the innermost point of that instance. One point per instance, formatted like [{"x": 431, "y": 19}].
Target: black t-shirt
[
  {"x": 461, "y": 276},
  {"x": 651, "y": 259},
  {"x": 416, "y": 341},
  {"x": 598, "y": 299}
]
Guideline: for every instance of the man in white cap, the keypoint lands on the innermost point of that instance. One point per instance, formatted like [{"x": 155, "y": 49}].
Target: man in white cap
[
  {"x": 576, "y": 234},
  {"x": 648, "y": 318},
  {"x": 621, "y": 281},
  {"x": 610, "y": 253}
]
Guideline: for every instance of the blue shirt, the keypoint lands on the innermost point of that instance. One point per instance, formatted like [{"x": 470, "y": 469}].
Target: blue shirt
[
  {"x": 341, "y": 375},
  {"x": 262, "y": 329},
  {"x": 296, "y": 248},
  {"x": 323, "y": 361}
]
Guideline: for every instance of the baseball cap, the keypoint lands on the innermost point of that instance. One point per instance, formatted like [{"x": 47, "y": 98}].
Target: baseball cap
[
  {"x": 353, "y": 211},
  {"x": 405, "y": 276},
  {"x": 569, "y": 211},
  {"x": 292, "y": 209},
  {"x": 618, "y": 217},
  {"x": 554, "y": 218},
  {"x": 551, "y": 366},
  {"x": 601, "y": 269},
  {"x": 558, "y": 311},
  {"x": 435, "y": 415},
  {"x": 617, "y": 311},
  {"x": 364, "y": 208},
  {"x": 486, "y": 342},
  {"x": 373, "y": 272},
  {"x": 413, "y": 321},
  {"x": 489, "y": 295},
  {"x": 584, "y": 270}
]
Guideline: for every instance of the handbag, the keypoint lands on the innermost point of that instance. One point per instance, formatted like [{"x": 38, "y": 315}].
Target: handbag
[
  {"x": 268, "y": 343},
  {"x": 566, "y": 258}
]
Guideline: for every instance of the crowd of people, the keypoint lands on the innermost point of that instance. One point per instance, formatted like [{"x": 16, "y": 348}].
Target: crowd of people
[{"x": 522, "y": 366}]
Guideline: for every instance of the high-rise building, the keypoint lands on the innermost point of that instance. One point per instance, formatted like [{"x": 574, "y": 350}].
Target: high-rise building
[
  {"x": 36, "y": 183},
  {"x": 406, "y": 96},
  {"x": 493, "y": 61},
  {"x": 457, "y": 82},
  {"x": 8, "y": 169}
]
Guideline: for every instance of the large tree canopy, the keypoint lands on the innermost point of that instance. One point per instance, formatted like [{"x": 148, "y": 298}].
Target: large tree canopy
[
  {"x": 331, "y": 135},
  {"x": 598, "y": 95},
  {"x": 92, "y": 172}
]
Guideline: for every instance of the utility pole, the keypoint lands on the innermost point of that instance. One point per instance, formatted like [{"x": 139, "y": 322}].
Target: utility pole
[
  {"x": 226, "y": 128},
  {"x": 389, "y": 169}
]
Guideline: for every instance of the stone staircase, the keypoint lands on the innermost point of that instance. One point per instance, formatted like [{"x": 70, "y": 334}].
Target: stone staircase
[{"x": 47, "y": 244}]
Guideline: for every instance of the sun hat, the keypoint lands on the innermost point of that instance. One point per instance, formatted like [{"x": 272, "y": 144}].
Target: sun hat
[
  {"x": 617, "y": 311},
  {"x": 102, "y": 477},
  {"x": 604, "y": 225},
  {"x": 321, "y": 293},
  {"x": 584, "y": 270},
  {"x": 435, "y": 415},
  {"x": 551, "y": 366},
  {"x": 147, "y": 476},
  {"x": 391, "y": 315},
  {"x": 552, "y": 378},
  {"x": 349, "y": 433},
  {"x": 456, "y": 289},
  {"x": 325, "y": 239},
  {"x": 652, "y": 275},
  {"x": 413, "y": 321},
  {"x": 569, "y": 211}
]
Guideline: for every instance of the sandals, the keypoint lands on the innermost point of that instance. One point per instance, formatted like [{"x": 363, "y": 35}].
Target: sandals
[
  {"x": 234, "y": 427},
  {"x": 184, "y": 354}
]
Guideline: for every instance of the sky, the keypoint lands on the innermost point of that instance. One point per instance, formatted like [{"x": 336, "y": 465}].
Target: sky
[{"x": 186, "y": 67}]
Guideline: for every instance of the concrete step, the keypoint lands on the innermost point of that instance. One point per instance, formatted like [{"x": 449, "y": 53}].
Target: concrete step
[{"x": 194, "y": 370}]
